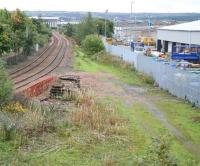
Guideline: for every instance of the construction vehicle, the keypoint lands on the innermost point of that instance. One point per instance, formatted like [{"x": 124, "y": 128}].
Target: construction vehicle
[
  {"x": 109, "y": 41},
  {"x": 148, "y": 41}
]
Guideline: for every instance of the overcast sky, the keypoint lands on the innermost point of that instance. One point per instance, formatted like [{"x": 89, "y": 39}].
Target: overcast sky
[{"x": 102, "y": 5}]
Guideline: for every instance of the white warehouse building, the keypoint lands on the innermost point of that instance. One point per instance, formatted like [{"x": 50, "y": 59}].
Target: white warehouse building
[
  {"x": 178, "y": 35},
  {"x": 52, "y": 22}
]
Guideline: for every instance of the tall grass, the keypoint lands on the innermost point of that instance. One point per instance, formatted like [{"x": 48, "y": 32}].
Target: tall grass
[
  {"x": 97, "y": 115},
  {"x": 108, "y": 59},
  {"x": 38, "y": 119}
]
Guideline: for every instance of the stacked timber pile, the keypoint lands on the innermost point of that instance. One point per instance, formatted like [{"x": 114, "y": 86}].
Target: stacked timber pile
[
  {"x": 56, "y": 90},
  {"x": 66, "y": 87},
  {"x": 75, "y": 80}
]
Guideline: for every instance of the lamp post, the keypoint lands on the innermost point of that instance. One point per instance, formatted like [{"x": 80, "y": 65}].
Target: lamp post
[
  {"x": 133, "y": 3},
  {"x": 105, "y": 23}
]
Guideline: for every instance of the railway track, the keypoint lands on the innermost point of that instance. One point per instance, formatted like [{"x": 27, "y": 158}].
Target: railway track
[
  {"x": 47, "y": 62},
  {"x": 35, "y": 62}
]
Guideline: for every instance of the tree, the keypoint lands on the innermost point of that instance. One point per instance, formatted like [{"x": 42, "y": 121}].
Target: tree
[
  {"x": 5, "y": 39},
  {"x": 5, "y": 86},
  {"x": 86, "y": 27},
  {"x": 18, "y": 23},
  {"x": 41, "y": 28},
  {"x": 68, "y": 30},
  {"x": 31, "y": 36},
  {"x": 20, "y": 33},
  {"x": 100, "y": 24},
  {"x": 92, "y": 44},
  {"x": 5, "y": 16},
  {"x": 43, "y": 32}
]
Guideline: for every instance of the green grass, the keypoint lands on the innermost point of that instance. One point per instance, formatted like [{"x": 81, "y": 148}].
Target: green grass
[
  {"x": 148, "y": 126},
  {"x": 79, "y": 145},
  {"x": 152, "y": 127},
  {"x": 181, "y": 115},
  {"x": 177, "y": 111},
  {"x": 82, "y": 63}
]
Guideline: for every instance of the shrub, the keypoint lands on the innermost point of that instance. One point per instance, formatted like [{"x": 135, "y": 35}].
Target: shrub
[
  {"x": 14, "y": 108},
  {"x": 92, "y": 44}
]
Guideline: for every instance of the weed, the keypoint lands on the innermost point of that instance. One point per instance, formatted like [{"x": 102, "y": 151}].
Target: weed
[
  {"x": 97, "y": 116},
  {"x": 106, "y": 58},
  {"x": 157, "y": 153},
  {"x": 196, "y": 119},
  {"x": 7, "y": 125},
  {"x": 146, "y": 79},
  {"x": 109, "y": 160}
]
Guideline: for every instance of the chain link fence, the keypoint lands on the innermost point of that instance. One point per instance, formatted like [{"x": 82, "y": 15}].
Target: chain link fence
[{"x": 181, "y": 83}]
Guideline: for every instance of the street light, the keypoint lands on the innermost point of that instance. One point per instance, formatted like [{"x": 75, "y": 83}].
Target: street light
[
  {"x": 133, "y": 3},
  {"x": 105, "y": 23}
]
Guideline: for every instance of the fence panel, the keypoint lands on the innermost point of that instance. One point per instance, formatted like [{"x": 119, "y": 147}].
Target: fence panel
[{"x": 180, "y": 83}]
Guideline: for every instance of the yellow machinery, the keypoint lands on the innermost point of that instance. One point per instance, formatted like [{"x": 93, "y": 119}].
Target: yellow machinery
[
  {"x": 109, "y": 41},
  {"x": 148, "y": 41}
]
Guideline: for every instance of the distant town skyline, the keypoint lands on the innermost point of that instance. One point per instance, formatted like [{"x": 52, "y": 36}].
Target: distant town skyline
[{"x": 123, "y": 6}]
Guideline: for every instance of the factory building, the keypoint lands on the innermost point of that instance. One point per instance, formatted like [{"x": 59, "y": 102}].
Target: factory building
[
  {"x": 52, "y": 22},
  {"x": 185, "y": 34}
]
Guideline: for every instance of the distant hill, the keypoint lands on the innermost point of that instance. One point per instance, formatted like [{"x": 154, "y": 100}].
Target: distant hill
[{"x": 118, "y": 16}]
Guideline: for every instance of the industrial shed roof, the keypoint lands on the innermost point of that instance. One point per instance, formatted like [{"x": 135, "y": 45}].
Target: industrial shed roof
[{"x": 189, "y": 26}]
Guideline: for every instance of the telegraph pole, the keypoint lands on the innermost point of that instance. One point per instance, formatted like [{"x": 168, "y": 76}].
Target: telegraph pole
[
  {"x": 105, "y": 23},
  {"x": 133, "y": 3}
]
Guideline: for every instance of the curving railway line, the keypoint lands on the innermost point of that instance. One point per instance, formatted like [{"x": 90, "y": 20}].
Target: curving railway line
[{"x": 43, "y": 65}]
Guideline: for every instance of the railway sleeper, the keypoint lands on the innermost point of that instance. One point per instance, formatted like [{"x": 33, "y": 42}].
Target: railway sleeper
[{"x": 66, "y": 88}]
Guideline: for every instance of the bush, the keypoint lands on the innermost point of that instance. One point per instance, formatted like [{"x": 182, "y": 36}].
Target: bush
[
  {"x": 92, "y": 44},
  {"x": 5, "y": 86}
]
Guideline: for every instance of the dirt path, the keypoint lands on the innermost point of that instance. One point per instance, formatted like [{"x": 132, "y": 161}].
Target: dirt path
[{"x": 138, "y": 94}]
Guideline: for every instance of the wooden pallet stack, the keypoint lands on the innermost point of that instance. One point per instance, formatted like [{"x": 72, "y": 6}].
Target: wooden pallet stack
[{"x": 66, "y": 87}]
